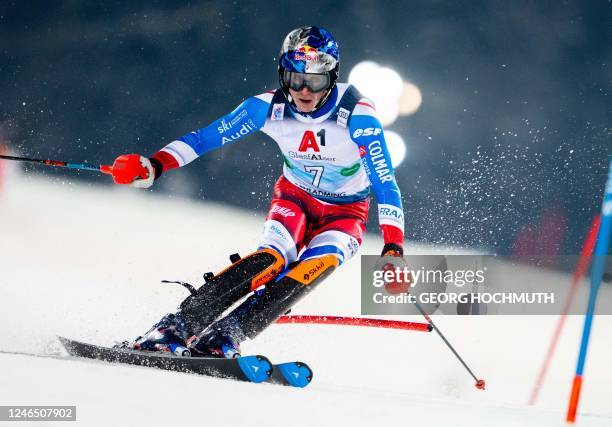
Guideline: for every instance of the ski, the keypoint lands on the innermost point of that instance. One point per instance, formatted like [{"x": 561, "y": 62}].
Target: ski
[
  {"x": 254, "y": 369},
  {"x": 294, "y": 374}
]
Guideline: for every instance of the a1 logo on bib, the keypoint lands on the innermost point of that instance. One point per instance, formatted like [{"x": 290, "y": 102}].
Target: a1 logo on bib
[{"x": 310, "y": 141}]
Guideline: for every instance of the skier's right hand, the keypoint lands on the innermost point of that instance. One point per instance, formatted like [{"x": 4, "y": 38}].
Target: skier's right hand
[{"x": 134, "y": 170}]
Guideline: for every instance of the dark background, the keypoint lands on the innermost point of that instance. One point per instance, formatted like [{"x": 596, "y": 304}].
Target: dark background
[{"x": 508, "y": 151}]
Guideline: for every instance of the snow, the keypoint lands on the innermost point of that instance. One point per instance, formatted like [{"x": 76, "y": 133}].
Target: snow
[{"x": 85, "y": 262}]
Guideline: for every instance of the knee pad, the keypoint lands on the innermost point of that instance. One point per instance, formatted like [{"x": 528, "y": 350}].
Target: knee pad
[
  {"x": 342, "y": 245},
  {"x": 277, "y": 237}
]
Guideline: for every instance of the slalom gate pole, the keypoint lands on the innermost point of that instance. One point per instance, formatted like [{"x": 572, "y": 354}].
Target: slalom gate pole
[
  {"x": 107, "y": 169},
  {"x": 480, "y": 383},
  {"x": 597, "y": 270},
  {"x": 581, "y": 269},
  {"x": 355, "y": 321}
]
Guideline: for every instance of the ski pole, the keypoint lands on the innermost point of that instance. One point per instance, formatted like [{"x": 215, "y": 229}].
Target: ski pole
[
  {"x": 107, "y": 169},
  {"x": 480, "y": 383}
]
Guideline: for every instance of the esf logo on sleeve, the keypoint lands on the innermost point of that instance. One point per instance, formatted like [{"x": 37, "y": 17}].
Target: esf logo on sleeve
[{"x": 367, "y": 132}]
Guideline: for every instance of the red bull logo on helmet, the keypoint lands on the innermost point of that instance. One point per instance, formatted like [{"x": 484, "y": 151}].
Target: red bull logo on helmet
[{"x": 306, "y": 53}]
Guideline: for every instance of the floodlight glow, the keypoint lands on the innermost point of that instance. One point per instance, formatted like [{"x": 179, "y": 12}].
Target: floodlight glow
[
  {"x": 380, "y": 84},
  {"x": 387, "y": 112},
  {"x": 390, "y": 83},
  {"x": 385, "y": 87},
  {"x": 410, "y": 100},
  {"x": 363, "y": 77},
  {"x": 396, "y": 146}
]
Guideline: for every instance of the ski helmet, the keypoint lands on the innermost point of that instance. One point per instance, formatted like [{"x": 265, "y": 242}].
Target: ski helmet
[{"x": 308, "y": 51}]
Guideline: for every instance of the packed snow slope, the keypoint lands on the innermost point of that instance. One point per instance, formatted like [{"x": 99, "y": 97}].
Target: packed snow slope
[{"x": 86, "y": 262}]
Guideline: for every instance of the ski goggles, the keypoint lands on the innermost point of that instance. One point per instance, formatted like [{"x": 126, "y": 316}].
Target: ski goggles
[{"x": 314, "y": 82}]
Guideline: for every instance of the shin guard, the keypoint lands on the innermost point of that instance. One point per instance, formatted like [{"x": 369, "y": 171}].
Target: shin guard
[
  {"x": 262, "y": 309},
  {"x": 221, "y": 291}
]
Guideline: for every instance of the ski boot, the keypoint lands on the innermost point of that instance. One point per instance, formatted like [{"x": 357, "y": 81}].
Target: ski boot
[
  {"x": 204, "y": 305},
  {"x": 214, "y": 343},
  {"x": 170, "y": 334}
]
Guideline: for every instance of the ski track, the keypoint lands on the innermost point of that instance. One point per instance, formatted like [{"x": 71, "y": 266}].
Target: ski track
[{"x": 74, "y": 262}]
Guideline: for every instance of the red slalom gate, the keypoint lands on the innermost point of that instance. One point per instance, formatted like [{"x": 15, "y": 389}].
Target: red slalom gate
[{"x": 356, "y": 321}]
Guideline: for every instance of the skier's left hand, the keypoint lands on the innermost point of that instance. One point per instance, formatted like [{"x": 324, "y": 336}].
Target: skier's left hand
[
  {"x": 392, "y": 249},
  {"x": 392, "y": 258}
]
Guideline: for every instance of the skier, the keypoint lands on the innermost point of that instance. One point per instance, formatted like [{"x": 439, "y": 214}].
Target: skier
[{"x": 334, "y": 149}]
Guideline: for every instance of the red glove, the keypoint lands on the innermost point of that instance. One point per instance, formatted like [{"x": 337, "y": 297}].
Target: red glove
[
  {"x": 395, "y": 250},
  {"x": 134, "y": 170}
]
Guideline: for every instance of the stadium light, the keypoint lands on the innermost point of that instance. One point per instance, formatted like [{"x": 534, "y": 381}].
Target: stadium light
[
  {"x": 385, "y": 87},
  {"x": 396, "y": 146},
  {"x": 410, "y": 100}
]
